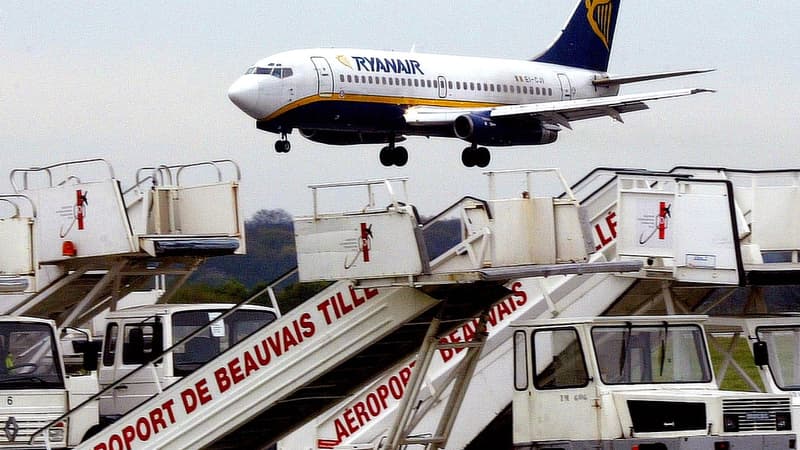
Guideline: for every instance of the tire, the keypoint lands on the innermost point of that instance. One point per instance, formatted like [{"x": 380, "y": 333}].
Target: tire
[
  {"x": 468, "y": 157},
  {"x": 400, "y": 156},
  {"x": 482, "y": 157},
  {"x": 385, "y": 156}
]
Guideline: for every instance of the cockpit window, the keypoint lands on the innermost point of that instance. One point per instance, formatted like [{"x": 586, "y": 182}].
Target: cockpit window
[{"x": 276, "y": 70}]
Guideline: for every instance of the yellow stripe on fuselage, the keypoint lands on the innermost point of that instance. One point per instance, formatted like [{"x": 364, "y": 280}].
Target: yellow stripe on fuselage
[{"x": 379, "y": 99}]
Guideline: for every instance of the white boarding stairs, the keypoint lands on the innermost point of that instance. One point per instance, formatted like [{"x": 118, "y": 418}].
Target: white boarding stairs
[
  {"x": 368, "y": 418},
  {"x": 698, "y": 231},
  {"x": 359, "y": 423},
  {"x": 697, "y": 224},
  {"x": 364, "y": 419},
  {"x": 501, "y": 236},
  {"x": 281, "y": 376},
  {"x": 78, "y": 241}
]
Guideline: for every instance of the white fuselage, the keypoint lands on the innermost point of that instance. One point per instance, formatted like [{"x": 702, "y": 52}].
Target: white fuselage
[{"x": 367, "y": 90}]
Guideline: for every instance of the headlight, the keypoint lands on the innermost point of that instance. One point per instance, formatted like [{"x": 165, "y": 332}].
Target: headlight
[
  {"x": 731, "y": 422},
  {"x": 783, "y": 421}
]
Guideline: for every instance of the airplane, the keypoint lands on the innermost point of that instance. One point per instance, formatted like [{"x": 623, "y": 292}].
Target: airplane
[{"x": 343, "y": 96}]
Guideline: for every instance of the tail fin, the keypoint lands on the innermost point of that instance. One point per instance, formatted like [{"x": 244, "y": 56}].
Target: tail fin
[{"x": 585, "y": 42}]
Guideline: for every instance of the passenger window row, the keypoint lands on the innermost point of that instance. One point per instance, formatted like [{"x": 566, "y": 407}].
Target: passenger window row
[{"x": 458, "y": 85}]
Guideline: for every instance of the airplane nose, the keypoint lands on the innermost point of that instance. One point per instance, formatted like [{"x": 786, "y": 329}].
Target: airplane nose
[{"x": 244, "y": 94}]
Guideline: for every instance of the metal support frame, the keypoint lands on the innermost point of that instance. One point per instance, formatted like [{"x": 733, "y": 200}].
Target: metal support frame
[
  {"x": 411, "y": 411},
  {"x": 36, "y": 299},
  {"x": 182, "y": 280},
  {"x": 756, "y": 303},
  {"x": 89, "y": 299},
  {"x": 728, "y": 362}
]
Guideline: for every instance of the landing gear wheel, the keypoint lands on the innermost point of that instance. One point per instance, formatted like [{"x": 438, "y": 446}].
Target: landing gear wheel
[
  {"x": 393, "y": 156},
  {"x": 482, "y": 157},
  {"x": 386, "y": 156},
  {"x": 283, "y": 146},
  {"x": 468, "y": 157},
  {"x": 476, "y": 156},
  {"x": 400, "y": 156}
]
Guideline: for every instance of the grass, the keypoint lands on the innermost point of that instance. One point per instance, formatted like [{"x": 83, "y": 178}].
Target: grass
[{"x": 742, "y": 355}]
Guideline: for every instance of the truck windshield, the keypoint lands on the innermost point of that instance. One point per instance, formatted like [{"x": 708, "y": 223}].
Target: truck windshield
[
  {"x": 651, "y": 354},
  {"x": 213, "y": 340},
  {"x": 29, "y": 356},
  {"x": 784, "y": 358}
]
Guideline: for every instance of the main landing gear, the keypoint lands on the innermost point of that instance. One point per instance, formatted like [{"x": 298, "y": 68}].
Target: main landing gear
[
  {"x": 283, "y": 145},
  {"x": 476, "y": 156},
  {"x": 393, "y": 156}
]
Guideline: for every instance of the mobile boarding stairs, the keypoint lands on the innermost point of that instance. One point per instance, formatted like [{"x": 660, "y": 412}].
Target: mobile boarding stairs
[
  {"x": 388, "y": 299},
  {"x": 75, "y": 242},
  {"x": 669, "y": 282},
  {"x": 315, "y": 355}
]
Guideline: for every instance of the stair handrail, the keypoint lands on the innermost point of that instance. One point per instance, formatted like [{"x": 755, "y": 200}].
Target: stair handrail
[
  {"x": 8, "y": 198},
  {"x": 24, "y": 173}
]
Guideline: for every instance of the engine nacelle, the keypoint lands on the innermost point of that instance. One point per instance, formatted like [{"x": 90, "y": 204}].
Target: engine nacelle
[
  {"x": 482, "y": 130},
  {"x": 347, "y": 137}
]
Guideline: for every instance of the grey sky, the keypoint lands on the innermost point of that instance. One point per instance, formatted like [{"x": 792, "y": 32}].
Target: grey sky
[{"x": 145, "y": 83}]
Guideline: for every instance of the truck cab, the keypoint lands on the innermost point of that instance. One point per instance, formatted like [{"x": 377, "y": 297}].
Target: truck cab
[
  {"x": 774, "y": 342},
  {"x": 35, "y": 388},
  {"x": 628, "y": 382},
  {"x": 134, "y": 336}
]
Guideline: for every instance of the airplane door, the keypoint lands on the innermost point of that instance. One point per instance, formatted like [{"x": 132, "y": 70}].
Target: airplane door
[
  {"x": 442, "y": 87},
  {"x": 324, "y": 76},
  {"x": 566, "y": 87}
]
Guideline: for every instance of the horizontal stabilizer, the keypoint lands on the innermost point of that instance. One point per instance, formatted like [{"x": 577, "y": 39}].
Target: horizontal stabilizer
[{"x": 616, "y": 81}]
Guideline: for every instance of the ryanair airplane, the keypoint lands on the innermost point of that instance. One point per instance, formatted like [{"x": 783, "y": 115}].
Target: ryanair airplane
[{"x": 344, "y": 96}]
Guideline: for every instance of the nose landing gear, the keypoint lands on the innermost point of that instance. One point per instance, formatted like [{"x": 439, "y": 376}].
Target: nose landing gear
[
  {"x": 283, "y": 145},
  {"x": 476, "y": 156}
]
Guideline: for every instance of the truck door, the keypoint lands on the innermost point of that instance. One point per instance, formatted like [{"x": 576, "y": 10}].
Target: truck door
[
  {"x": 127, "y": 347},
  {"x": 324, "y": 76},
  {"x": 562, "y": 401}
]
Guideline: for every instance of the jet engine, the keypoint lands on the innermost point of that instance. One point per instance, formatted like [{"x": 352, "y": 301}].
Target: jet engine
[{"x": 482, "y": 130}]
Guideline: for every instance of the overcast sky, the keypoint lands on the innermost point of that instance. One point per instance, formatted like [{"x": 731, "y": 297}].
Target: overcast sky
[{"x": 146, "y": 83}]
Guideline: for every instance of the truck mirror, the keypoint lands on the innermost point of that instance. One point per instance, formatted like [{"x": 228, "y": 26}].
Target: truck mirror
[
  {"x": 158, "y": 339},
  {"x": 760, "y": 353},
  {"x": 91, "y": 353}
]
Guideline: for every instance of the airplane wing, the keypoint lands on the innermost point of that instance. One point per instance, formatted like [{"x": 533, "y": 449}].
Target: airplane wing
[{"x": 559, "y": 113}]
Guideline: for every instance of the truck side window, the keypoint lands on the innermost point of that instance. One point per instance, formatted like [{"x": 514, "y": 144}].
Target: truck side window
[
  {"x": 558, "y": 359},
  {"x": 137, "y": 346},
  {"x": 110, "y": 344},
  {"x": 520, "y": 361}
]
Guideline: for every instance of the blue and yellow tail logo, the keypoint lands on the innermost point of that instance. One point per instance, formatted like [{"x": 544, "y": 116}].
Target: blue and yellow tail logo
[
  {"x": 600, "y": 13},
  {"x": 586, "y": 40}
]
